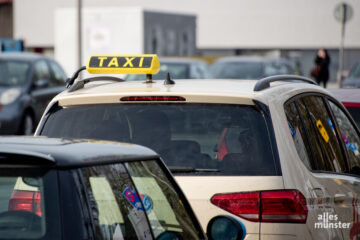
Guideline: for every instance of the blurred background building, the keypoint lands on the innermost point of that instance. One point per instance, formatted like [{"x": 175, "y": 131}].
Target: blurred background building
[{"x": 291, "y": 29}]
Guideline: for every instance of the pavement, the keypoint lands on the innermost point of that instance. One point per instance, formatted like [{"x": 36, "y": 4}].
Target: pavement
[{"x": 332, "y": 85}]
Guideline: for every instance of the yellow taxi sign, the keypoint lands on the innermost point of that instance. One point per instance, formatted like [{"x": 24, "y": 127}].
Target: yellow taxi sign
[{"x": 127, "y": 64}]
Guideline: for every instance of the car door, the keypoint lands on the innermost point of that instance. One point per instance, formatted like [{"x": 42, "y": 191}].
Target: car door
[
  {"x": 348, "y": 192},
  {"x": 320, "y": 150}
]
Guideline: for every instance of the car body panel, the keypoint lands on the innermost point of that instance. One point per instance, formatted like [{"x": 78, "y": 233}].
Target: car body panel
[
  {"x": 319, "y": 189},
  {"x": 206, "y": 187}
]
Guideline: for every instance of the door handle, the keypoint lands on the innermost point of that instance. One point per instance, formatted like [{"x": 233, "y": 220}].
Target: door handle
[{"x": 339, "y": 198}]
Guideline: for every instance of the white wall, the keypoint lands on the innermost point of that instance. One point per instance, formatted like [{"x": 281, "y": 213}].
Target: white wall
[
  {"x": 34, "y": 22},
  {"x": 104, "y": 32},
  {"x": 221, "y": 24}
]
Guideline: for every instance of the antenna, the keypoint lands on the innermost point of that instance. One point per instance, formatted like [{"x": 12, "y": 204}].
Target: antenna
[{"x": 168, "y": 80}]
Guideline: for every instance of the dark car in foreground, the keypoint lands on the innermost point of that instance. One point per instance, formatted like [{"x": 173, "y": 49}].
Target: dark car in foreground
[
  {"x": 28, "y": 82},
  {"x": 353, "y": 79},
  {"x": 84, "y": 189},
  {"x": 249, "y": 67}
]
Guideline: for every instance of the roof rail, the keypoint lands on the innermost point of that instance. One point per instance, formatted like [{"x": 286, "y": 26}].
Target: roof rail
[
  {"x": 265, "y": 82},
  {"x": 81, "y": 83}
]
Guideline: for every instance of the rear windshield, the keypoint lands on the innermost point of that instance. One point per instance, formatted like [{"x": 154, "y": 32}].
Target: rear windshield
[
  {"x": 26, "y": 210},
  {"x": 223, "y": 139}
]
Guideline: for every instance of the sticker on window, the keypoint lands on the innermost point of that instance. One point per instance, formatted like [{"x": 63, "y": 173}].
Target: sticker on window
[
  {"x": 134, "y": 200},
  {"x": 322, "y": 131}
]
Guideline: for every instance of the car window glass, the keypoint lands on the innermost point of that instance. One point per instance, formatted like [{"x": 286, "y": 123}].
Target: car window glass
[
  {"x": 59, "y": 75},
  {"x": 196, "y": 71},
  {"x": 349, "y": 136},
  {"x": 313, "y": 138},
  {"x": 355, "y": 114},
  {"x": 237, "y": 70},
  {"x": 355, "y": 71},
  {"x": 231, "y": 139},
  {"x": 299, "y": 135},
  {"x": 116, "y": 209},
  {"x": 27, "y": 204},
  {"x": 164, "y": 207},
  {"x": 275, "y": 68},
  {"x": 326, "y": 136},
  {"x": 41, "y": 71},
  {"x": 176, "y": 70},
  {"x": 13, "y": 73},
  {"x": 203, "y": 68}
]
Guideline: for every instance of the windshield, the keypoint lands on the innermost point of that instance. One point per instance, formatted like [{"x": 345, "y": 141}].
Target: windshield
[
  {"x": 13, "y": 73},
  {"x": 237, "y": 70},
  {"x": 176, "y": 70},
  {"x": 229, "y": 139}
]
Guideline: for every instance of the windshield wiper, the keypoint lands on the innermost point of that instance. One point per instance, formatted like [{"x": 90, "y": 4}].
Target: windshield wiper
[{"x": 175, "y": 169}]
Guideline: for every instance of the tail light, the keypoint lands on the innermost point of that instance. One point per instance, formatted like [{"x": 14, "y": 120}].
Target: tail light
[
  {"x": 27, "y": 201},
  {"x": 153, "y": 98},
  {"x": 285, "y": 206}
]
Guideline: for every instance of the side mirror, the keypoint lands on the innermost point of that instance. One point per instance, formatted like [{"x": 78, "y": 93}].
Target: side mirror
[
  {"x": 225, "y": 227},
  {"x": 42, "y": 83}
]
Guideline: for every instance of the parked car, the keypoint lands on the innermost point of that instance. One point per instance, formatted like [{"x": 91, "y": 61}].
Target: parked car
[
  {"x": 353, "y": 79},
  {"x": 83, "y": 189},
  {"x": 28, "y": 82},
  {"x": 179, "y": 68},
  {"x": 351, "y": 100},
  {"x": 241, "y": 67},
  {"x": 278, "y": 153}
]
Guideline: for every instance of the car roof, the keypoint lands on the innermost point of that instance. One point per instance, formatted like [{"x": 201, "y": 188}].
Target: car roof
[
  {"x": 71, "y": 152},
  {"x": 351, "y": 95},
  {"x": 228, "y": 91},
  {"x": 24, "y": 56}
]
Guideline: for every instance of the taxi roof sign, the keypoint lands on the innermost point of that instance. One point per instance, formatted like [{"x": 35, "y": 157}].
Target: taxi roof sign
[{"x": 124, "y": 64}]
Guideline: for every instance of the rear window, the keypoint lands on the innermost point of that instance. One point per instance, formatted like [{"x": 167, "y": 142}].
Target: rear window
[
  {"x": 125, "y": 198},
  {"x": 176, "y": 70},
  {"x": 28, "y": 204},
  {"x": 237, "y": 70},
  {"x": 224, "y": 139}
]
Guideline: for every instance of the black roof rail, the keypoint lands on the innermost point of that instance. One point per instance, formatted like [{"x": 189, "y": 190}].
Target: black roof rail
[
  {"x": 81, "y": 83},
  {"x": 71, "y": 79},
  {"x": 265, "y": 82}
]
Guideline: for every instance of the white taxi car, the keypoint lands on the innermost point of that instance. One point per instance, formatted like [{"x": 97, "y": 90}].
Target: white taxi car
[{"x": 281, "y": 153}]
